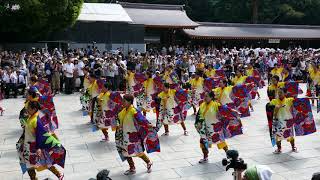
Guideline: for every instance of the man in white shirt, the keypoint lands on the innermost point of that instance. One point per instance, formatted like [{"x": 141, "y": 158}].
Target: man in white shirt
[
  {"x": 110, "y": 70},
  {"x": 116, "y": 77},
  {"x": 11, "y": 82},
  {"x": 21, "y": 82},
  {"x": 80, "y": 72},
  {"x": 272, "y": 61},
  {"x": 192, "y": 67},
  {"x": 68, "y": 70}
]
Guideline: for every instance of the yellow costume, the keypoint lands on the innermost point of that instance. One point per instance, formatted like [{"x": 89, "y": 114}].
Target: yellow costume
[
  {"x": 210, "y": 73},
  {"x": 197, "y": 90},
  {"x": 205, "y": 124},
  {"x": 130, "y": 82},
  {"x": 239, "y": 80},
  {"x": 223, "y": 94},
  {"x": 277, "y": 71},
  {"x": 284, "y": 113},
  {"x": 166, "y": 112}
]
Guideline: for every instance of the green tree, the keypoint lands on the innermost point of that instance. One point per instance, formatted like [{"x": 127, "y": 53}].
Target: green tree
[{"x": 29, "y": 20}]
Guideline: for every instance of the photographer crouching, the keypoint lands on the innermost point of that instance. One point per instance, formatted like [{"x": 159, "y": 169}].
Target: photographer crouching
[{"x": 241, "y": 172}]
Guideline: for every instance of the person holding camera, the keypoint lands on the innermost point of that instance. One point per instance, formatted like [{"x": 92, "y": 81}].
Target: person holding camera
[
  {"x": 257, "y": 172},
  {"x": 209, "y": 124},
  {"x": 241, "y": 170}
]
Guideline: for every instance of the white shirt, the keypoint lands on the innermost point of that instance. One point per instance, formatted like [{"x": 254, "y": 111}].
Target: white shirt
[
  {"x": 116, "y": 69},
  {"x": 6, "y": 78},
  {"x": 69, "y": 69},
  {"x": 248, "y": 60},
  {"x": 80, "y": 67},
  {"x": 192, "y": 68},
  {"x": 13, "y": 78},
  {"x": 21, "y": 79},
  {"x": 303, "y": 65},
  {"x": 110, "y": 70},
  {"x": 271, "y": 62}
]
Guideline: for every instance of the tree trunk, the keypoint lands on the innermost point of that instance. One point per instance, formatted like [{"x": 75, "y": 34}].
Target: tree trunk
[{"x": 255, "y": 11}]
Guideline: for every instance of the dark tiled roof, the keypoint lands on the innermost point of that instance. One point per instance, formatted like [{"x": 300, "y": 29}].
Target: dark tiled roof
[
  {"x": 158, "y": 15},
  {"x": 253, "y": 31}
]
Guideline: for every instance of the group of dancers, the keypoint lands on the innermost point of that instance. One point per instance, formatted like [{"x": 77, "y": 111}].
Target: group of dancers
[
  {"x": 218, "y": 107},
  {"x": 219, "y": 104}
]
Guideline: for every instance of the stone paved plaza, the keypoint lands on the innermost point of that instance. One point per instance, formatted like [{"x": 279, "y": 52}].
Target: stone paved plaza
[{"x": 179, "y": 156}]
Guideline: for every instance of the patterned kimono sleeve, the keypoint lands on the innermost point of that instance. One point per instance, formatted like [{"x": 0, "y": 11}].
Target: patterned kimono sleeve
[
  {"x": 51, "y": 147},
  {"x": 23, "y": 116},
  {"x": 241, "y": 96},
  {"x": 48, "y": 107},
  {"x": 158, "y": 82},
  {"x": 119, "y": 140},
  {"x": 200, "y": 125},
  {"x": 147, "y": 134},
  {"x": 116, "y": 99},
  {"x": 231, "y": 121},
  {"x": 303, "y": 117},
  {"x": 292, "y": 89},
  {"x": 45, "y": 90}
]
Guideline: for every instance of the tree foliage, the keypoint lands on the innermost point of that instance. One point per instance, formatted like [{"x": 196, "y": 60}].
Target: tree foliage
[{"x": 28, "y": 20}]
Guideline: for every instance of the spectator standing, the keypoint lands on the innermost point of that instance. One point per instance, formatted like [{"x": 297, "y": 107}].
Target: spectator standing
[
  {"x": 12, "y": 84},
  {"x": 116, "y": 76},
  {"x": 110, "y": 69},
  {"x": 21, "y": 82},
  {"x": 56, "y": 70},
  {"x": 80, "y": 72},
  {"x": 68, "y": 70}
]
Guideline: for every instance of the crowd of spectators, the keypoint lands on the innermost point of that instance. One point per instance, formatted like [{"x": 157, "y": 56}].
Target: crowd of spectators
[{"x": 65, "y": 70}]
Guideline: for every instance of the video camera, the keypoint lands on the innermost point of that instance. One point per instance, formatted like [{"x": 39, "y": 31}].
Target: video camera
[{"x": 233, "y": 161}]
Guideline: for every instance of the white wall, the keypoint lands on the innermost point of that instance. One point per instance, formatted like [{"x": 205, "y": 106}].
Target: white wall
[
  {"x": 140, "y": 47},
  {"x": 100, "y": 46},
  {"x": 103, "y": 47}
]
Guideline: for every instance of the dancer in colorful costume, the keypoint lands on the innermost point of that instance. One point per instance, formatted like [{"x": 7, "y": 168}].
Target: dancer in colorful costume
[
  {"x": 254, "y": 77},
  {"x": 291, "y": 117},
  {"x": 171, "y": 77},
  {"x": 236, "y": 97},
  {"x": 134, "y": 135},
  {"x": 241, "y": 80},
  {"x": 223, "y": 93},
  {"x": 274, "y": 87},
  {"x": 172, "y": 110},
  {"x": 47, "y": 108},
  {"x": 216, "y": 123},
  {"x": 291, "y": 87},
  {"x": 37, "y": 148},
  {"x": 42, "y": 85},
  {"x": 109, "y": 105},
  {"x": 94, "y": 91},
  {"x": 210, "y": 72},
  {"x": 314, "y": 82},
  {"x": 85, "y": 96},
  {"x": 197, "y": 89},
  {"x": 130, "y": 81},
  {"x": 150, "y": 89},
  {"x": 277, "y": 71}
]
